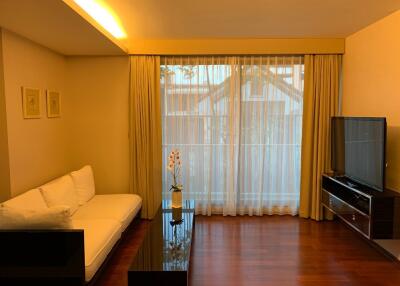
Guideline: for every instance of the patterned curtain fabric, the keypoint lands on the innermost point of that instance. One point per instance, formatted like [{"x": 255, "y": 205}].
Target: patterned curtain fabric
[
  {"x": 321, "y": 102},
  {"x": 237, "y": 122},
  {"x": 145, "y": 132}
]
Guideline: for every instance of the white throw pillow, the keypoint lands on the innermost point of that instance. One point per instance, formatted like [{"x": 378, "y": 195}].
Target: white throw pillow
[
  {"x": 30, "y": 200},
  {"x": 61, "y": 192},
  {"x": 16, "y": 218},
  {"x": 84, "y": 184}
]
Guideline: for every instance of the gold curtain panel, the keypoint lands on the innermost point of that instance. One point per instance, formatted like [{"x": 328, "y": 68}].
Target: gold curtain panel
[
  {"x": 145, "y": 132},
  {"x": 321, "y": 102}
]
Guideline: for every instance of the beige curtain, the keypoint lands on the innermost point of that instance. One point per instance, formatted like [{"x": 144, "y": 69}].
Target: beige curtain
[
  {"x": 321, "y": 101},
  {"x": 145, "y": 132}
]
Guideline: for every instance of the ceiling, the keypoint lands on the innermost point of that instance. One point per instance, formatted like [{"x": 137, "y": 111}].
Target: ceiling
[
  {"x": 180, "y": 19},
  {"x": 55, "y": 25},
  {"x": 63, "y": 28}
]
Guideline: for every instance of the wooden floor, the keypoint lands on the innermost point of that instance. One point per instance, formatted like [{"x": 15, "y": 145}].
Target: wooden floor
[{"x": 269, "y": 250}]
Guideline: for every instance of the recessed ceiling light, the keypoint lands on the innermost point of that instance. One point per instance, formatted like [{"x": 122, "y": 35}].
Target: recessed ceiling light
[{"x": 103, "y": 15}]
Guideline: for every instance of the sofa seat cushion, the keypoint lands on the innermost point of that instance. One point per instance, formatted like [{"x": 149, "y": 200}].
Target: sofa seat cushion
[
  {"x": 100, "y": 235},
  {"x": 121, "y": 207},
  {"x": 31, "y": 200}
]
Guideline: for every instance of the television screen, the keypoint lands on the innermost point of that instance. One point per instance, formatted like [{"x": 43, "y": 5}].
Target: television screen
[{"x": 358, "y": 149}]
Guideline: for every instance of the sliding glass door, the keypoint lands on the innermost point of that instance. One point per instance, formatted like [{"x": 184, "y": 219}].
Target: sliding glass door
[{"x": 237, "y": 122}]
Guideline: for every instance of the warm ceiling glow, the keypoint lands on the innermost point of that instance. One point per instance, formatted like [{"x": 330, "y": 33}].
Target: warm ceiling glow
[{"x": 103, "y": 15}]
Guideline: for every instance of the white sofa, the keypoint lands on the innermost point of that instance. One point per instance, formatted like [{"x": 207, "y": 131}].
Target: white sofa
[{"x": 103, "y": 218}]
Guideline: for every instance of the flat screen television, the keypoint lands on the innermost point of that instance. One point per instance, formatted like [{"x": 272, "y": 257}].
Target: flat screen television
[{"x": 358, "y": 149}]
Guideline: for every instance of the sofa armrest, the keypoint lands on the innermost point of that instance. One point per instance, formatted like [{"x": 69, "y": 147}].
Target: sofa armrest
[{"x": 49, "y": 257}]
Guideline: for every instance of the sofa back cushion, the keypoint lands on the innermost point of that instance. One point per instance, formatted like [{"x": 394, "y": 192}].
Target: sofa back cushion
[
  {"x": 30, "y": 200},
  {"x": 16, "y": 218},
  {"x": 61, "y": 192},
  {"x": 84, "y": 184}
]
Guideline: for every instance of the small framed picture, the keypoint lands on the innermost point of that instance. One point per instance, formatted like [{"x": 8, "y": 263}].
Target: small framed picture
[
  {"x": 31, "y": 102},
  {"x": 53, "y": 104}
]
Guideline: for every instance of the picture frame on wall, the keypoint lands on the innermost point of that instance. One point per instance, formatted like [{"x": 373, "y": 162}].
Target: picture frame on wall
[
  {"x": 53, "y": 103},
  {"x": 31, "y": 103}
]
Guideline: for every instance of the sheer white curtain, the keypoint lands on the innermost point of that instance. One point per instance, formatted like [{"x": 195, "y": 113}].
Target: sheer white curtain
[{"x": 237, "y": 122}]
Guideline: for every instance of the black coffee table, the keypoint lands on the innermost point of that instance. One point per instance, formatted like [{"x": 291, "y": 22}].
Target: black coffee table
[{"x": 164, "y": 255}]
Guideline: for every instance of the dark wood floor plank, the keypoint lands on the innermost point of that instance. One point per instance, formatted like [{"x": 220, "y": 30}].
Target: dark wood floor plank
[{"x": 269, "y": 250}]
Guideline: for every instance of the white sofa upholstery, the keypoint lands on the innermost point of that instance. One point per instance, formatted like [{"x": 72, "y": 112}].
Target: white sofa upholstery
[
  {"x": 120, "y": 207},
  {"x": 103, "y": 218},
  {"x": 100, "y": 237},
  {"x": 30, "y": 200}
]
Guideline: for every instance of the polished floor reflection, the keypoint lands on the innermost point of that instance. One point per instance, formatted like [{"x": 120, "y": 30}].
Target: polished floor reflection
[
  {"x": 390, "y": 245},
  {"x": 270, "y": 251}
]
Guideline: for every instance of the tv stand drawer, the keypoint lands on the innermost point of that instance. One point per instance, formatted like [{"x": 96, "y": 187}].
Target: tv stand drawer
[
  {"x": 349, "y": 214},
  {"x": 345, "y": 193}
]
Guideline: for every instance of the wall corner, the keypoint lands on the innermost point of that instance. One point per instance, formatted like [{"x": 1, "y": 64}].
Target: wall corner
[{"x": 4, "y": 152}]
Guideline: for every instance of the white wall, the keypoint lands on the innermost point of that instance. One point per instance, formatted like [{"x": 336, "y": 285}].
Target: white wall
[
  {"x": 4, "y": 161},
  {"x": 371, "y": 74},
  {"x": 37, "y": 147},
  {"x": 93, "y": 128},
  {"x": 98, "y": 91}
]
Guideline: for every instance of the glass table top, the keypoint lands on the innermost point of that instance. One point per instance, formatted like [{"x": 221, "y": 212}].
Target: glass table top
[{"x": 166, "y": 246}]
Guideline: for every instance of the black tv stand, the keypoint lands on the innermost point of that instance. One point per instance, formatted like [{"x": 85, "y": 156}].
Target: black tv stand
[
  {"x": 347, "y": 181},
  {"x": 373, "y": 214}
]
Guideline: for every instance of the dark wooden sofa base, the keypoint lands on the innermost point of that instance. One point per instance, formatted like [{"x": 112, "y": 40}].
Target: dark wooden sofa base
[{"x": 46, "y": 257}]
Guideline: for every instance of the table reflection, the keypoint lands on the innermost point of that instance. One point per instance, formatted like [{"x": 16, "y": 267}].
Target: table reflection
[{"x": 166, "y": 246}]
